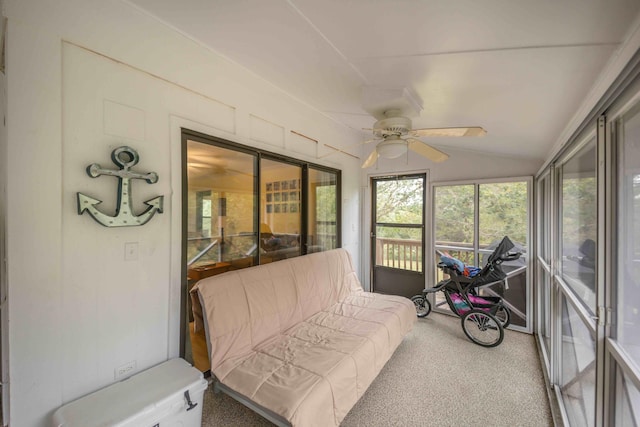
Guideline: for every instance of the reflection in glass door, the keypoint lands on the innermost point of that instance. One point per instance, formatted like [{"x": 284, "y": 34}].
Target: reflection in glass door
[
  {"x": 221, "y": 208},
  {"x": 397, "y": 235},
  {"x": 220, "y": 222},
  {"x": 281, "y": 217},
  {"x": 323, "y": 214}
]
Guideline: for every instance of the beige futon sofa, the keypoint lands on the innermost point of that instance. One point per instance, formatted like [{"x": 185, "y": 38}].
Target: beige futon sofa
[{"x": 298, "y": 340}]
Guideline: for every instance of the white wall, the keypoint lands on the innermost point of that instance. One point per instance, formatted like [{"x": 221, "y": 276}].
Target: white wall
[{"x": 84, "y": 77}]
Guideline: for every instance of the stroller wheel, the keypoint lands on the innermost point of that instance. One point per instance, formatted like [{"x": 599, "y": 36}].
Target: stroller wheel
[
  {"x": 423, "y": 306},
  {"x": 482, "y": 328},
  {"x": 504, "y": 316}
]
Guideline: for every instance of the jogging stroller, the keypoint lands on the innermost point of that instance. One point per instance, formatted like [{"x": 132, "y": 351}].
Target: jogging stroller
[{"x": 483, "y": 317}]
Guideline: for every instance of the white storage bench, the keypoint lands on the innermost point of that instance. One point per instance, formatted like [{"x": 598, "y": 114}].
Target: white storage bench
[{"x": 168, "y": 394}]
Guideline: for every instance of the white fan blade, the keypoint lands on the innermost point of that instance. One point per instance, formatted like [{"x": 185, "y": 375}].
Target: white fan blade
[
  {"x": 427, "y": 151},
  {"x": 468, "y": 131},
  {"x": 371, "y": 159}
]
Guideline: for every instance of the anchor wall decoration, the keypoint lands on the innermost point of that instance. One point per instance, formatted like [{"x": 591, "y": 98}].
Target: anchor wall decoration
[{"x": 124, "y": 157}]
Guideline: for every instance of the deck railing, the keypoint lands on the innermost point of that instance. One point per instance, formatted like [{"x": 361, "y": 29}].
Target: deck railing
[{"x": 399, "y": 253}]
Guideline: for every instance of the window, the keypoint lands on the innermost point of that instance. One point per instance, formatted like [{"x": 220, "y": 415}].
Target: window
[
  {"x": 579, "y": 223},
  {"x": 628, "y": 290},
  {"x": 454, "y": 207},
  {"x": 323, "y": 210},
  {"x": 470, "y": 220},
  {"x": 399, "y": 218}
]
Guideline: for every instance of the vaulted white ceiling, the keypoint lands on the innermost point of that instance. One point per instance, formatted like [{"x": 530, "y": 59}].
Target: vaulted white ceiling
[{"x": 518, "y": 68}]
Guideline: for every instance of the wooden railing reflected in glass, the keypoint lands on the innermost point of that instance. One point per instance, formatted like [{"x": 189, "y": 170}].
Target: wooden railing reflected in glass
[{"x": 325, "y": 237}]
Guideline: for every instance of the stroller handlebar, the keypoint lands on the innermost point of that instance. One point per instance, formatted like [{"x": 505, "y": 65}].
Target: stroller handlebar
[{"x": 511, "y": 256}]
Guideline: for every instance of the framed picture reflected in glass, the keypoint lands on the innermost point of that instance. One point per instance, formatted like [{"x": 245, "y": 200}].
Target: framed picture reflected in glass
[{"x": 287, "y": 191}]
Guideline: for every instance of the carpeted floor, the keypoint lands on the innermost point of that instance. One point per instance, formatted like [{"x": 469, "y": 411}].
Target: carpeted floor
[{"x": 437, "y": 377}]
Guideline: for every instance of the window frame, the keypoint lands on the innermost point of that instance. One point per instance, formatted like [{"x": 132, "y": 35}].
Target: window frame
[{"x": 476, "y": 250}]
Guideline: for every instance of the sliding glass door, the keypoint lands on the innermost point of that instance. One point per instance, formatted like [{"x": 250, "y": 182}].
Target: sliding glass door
[{"x": 245, "y": 207}]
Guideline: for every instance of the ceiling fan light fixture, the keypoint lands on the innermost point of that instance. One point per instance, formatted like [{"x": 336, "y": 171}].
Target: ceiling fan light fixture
[{"x": 392, "y": 148}]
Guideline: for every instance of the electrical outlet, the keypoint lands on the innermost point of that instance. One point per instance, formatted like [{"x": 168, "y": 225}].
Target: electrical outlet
[
  {"x": 125, "y": 370},
  {"x": 131, "y": 251}
]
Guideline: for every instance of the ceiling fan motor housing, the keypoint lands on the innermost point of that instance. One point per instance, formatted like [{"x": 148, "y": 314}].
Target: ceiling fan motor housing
[{"x": 392, "y": 126}]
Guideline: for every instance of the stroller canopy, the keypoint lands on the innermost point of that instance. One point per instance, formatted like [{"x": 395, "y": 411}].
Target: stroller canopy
[{"x": 503, "y": 247}]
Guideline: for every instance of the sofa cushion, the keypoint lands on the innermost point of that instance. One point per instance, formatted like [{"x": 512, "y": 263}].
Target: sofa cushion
[
  {"x": 252, "y": 305},
  {"x": 315, "y": 372}
]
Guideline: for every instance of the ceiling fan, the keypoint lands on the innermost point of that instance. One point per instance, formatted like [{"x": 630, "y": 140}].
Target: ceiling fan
[{"x": 390, "y": 130}]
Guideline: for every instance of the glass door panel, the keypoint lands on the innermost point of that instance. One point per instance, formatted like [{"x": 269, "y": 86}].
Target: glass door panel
[
  {"x": 628, "y": 283},
  {"x": 220, "y": 216},
  {"x": 578, "y": 368},
  {"x": 454, "y": 208},
  {"x": 579, "y": 224},
  {"x": 400, "y": 247},
  {"x": 221, "y": 208},
  {"x": 280, "y": 209},
  {"x": 454, "y": 228},
  {"x": 503, "y": 211},
  {"x": 322, "y": 233},
  {"x": 627, "y": 402}
]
